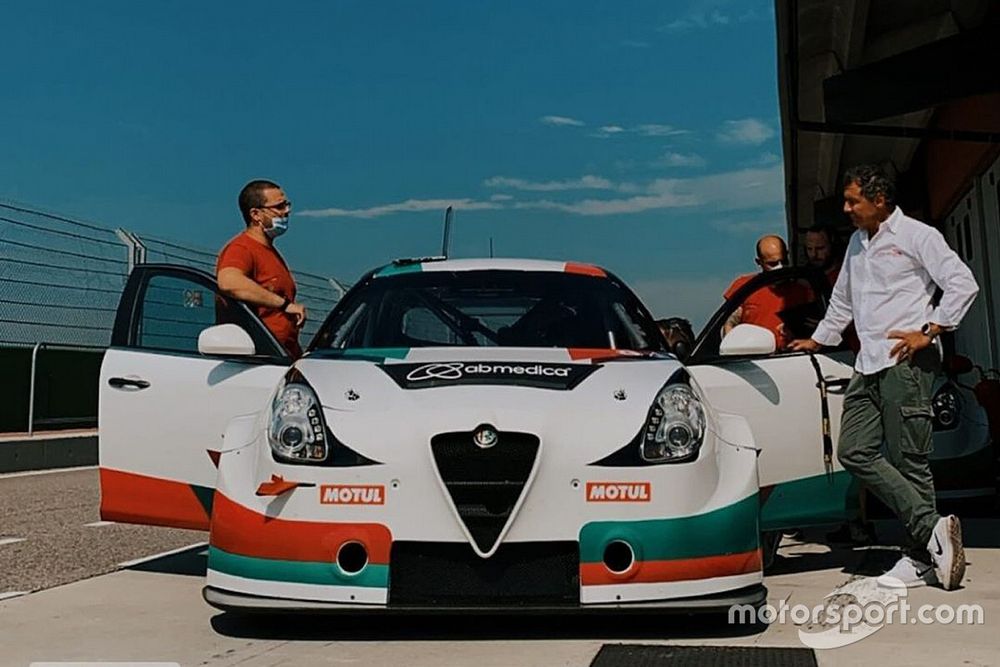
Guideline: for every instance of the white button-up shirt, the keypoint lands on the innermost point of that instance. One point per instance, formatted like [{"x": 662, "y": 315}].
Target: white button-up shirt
[{"x": 888, "y": 282}]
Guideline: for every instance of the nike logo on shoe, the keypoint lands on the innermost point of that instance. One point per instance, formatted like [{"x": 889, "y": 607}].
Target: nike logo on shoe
[{"x": 939, "y": 550}]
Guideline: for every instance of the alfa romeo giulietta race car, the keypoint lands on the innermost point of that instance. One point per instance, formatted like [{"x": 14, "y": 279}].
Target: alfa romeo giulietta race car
[{"x": 465, "y": 434}]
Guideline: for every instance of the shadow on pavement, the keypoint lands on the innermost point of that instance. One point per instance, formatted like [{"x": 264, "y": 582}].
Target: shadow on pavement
[
  {"x": 867, "y": 561},
  {"x": 472, "y": 628},
  {"x": 190, "y": 562},
  {"x": 811, "y": 549}
]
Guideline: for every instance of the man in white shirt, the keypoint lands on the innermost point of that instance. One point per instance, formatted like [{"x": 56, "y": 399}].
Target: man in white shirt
[{"x": 893, "y": 267}]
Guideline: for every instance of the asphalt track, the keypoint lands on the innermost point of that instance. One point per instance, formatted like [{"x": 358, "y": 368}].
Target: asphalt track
[{"x": 72, "y": 592}]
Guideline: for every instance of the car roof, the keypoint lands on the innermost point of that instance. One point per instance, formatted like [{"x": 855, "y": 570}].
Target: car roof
[{"x": 488, "y": 264}]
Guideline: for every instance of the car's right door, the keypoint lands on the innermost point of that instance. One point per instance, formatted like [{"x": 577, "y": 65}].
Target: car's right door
[
  {"x": 794, "y": 425},
  {"x": 164, "y": 406}
]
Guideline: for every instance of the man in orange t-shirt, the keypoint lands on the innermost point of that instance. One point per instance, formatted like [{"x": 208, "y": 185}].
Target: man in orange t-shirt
[
  {"x": 250, "y": 269},
  {"x": 762, "y": 306}
]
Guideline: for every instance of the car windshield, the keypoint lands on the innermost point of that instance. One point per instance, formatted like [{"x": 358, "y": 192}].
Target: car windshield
[{"x": 491, "y": 308}]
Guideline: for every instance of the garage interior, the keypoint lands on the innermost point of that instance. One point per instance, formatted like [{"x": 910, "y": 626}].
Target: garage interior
[{"x": 915, "y": 87}]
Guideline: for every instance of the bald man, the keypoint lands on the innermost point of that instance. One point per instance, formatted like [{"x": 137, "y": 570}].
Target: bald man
[{"x": 762, "y": 307}]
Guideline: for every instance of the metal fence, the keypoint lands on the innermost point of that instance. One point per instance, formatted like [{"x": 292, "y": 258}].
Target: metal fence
[{"x": 61, "y": 278}]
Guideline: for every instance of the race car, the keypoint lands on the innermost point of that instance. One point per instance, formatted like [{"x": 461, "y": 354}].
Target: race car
[{"x": 481, "y": 434}]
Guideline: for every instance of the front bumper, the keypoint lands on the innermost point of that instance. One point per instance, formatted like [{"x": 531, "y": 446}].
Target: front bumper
[
  {"x": 692, "y": 533},
  {"x": 754, "y": 595}
]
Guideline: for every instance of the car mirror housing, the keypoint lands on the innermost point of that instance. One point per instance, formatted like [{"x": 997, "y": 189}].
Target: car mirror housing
[
  {"x": 226, "y": 340},
  {"x": 748, "y": 339}
]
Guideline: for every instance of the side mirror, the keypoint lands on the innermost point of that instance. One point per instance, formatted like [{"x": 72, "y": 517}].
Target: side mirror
[
  {"x": 748, "y": 339},
  {"x": 226, "y": 340}
]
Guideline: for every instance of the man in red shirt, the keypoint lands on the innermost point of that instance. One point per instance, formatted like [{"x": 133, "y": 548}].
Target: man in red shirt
[
  {"x": 250, "y": 269},
  {"x": 763, "y": 306}
]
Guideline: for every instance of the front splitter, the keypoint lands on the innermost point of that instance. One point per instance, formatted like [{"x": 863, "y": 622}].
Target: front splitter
[{"x": 240, "y": 602}]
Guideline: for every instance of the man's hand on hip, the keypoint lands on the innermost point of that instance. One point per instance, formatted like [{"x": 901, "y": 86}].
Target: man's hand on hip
[
  {"x": 298, "y": 311},
  {"x": 804, "y": 345},
  {"x": 910, "y": 342}
]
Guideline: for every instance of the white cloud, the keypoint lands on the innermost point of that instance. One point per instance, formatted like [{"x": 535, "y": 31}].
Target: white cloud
[
  {"x": 644, "y": 130},
  {"x": 744, "y": 189},
  {"x": 561, "y": 120},
  {"x": 733, "y": 190},
  {"x": 656, "y": 130},
  {"x": 635, "y": 204},
  {"x": 698, "y": 20},
  {"x": 752, "y": 225},
  {"x": 767, "y": 159},
  {"x": 670, "y": 159},
  {"x": 588, "y": 182},
  {"x": 702, "y": 14},
  {"x": 765, "y": 13},
  {"x": 408, "y": 206},
  {"x": 747, "y": 131}
]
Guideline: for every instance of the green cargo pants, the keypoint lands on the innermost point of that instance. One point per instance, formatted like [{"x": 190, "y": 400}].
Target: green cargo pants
[{"x": 894, "y": 406}]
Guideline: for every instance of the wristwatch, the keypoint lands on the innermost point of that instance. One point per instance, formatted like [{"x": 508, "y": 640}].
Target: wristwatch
[
  {"x": 926, "y": 330},
  {"x": 284, "y": 303}
]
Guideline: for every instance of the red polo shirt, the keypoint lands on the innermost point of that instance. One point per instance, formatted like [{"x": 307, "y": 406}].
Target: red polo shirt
[
  {"x": 762, "y": 306},
  {"x": 262, "y": 264}
]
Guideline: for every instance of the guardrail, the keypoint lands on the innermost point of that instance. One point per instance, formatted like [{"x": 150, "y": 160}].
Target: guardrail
[{"x": 60, "y": 280}]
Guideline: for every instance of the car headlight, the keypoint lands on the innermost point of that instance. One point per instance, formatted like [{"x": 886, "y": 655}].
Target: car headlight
[
  {"x": 947, "y": 408},
  {"x": 296, "y": 431},
  {"x": 675, "y": 427}
]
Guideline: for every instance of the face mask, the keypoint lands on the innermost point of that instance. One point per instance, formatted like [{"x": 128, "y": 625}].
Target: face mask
[
  {"x": 777, "y": 266},
  {"x": 278, "y": 227}
]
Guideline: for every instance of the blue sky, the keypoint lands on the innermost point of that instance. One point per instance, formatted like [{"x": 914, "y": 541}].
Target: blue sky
[{"x": 643, "y": 136}]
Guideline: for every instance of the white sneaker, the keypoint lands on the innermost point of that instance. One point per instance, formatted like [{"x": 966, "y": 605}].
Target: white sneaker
[
  {"x": 908, "y": 572},
  {"x": 946, "y": 549}
]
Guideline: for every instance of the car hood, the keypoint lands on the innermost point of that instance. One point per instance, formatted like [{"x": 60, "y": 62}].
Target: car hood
[{"x": 597, "y": 400}]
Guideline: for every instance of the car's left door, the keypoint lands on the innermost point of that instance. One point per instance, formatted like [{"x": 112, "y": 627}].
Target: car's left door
[
  {"x": 794, "y": 423},
  {"x": 164, "y": 406}
]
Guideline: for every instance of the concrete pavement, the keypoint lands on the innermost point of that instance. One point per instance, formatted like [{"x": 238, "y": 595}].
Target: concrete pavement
[{"x": 154, "y": 612}]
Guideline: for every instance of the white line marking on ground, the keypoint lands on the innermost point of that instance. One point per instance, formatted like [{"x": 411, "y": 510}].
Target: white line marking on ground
[
  {"x": 11, "y": 540},
  {"x": 6, "y": 595},
  {"x": 32, "y": 473},
  {"x": 98, "y": 524},
  {"x": 139, "y": 561}
]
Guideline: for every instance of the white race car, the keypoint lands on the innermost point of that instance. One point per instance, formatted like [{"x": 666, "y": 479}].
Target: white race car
[{"x": 464, "y": 434}]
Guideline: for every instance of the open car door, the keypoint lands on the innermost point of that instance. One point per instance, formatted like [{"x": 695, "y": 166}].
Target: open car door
[
  {"x": 164, "y": 406},
  {"x": 794, "y": 422}
]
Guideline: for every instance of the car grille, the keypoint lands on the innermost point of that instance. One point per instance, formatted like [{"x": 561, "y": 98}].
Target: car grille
[
  {"x": 484, "y": 484},
  {"x": 520, "y": 574}
]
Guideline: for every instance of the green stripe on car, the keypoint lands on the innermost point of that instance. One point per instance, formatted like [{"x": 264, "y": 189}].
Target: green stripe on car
[
  {"x": 396, "y": 269},
  {"x": 376, "y": 354},
  {"x": 810, "y": 501},
  {"x": 727, "y": 530},
  {"x": 297, "y": 572}
]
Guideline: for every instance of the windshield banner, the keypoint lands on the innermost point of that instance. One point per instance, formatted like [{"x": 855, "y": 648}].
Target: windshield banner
[{"x": 524, "y": 374}]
